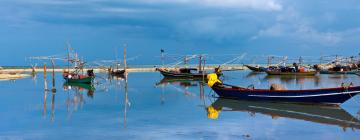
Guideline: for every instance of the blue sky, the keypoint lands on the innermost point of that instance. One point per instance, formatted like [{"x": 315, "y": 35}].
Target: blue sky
[{"x": 96, "y": 28}]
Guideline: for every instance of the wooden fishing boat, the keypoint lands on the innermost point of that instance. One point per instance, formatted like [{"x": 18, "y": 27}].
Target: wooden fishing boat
[
  {"x": 117, "y": 72},
  {"x": 77, "y": 75},
  {"x": 182, "y": 73},
  {"x": 338, "y": 72},
  {"x": 256, "y": 69},
  {"x": 336, "y": 96},
  {"x": 79, "y": 78},
  {"x": 306, "y": 73},
  {"x": 329, "y": 115}
]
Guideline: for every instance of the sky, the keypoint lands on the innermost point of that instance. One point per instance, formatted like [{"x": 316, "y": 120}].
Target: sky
[{"x": 97, "y": 29}]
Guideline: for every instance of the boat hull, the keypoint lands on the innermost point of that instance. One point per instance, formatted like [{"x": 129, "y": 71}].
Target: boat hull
[
  {"x": 316, "y": 96},
  {"x": 117, "y": 72},
  {"x": 310, "y": 73},
  {"x": 182, "y": 75},
  {"x": 87, "y": 80},
  {"x": 338, "y": 72},
  {"x": 256, "y": 69}
]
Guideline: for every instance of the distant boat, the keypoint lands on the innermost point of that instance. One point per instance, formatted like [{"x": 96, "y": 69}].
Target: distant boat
[
  {"x": 339, "y": 72},
  {"x": 295, "y": 70},
  {"x": 182, "y": 73},
  {"x": 188, "y": 73},
  {"x": 256, "y": 69},
  {"x": 329, "y": 115},
  {"x": 307, "y": 73},
  {"x": 336, "y": 96},
  {"x": 77, "y": 75},
  {"x": 117, "y": 72},
  {"x": 79, "y": 78}
]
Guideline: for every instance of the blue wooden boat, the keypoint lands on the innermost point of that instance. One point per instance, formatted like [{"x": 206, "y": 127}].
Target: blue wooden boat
[
  {"x": 334, "y": 96},
  {"x": 322, "y": 96}
]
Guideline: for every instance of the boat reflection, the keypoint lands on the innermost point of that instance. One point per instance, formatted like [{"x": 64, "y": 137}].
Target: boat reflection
[
  {"x": 184, "y": 85},
  {"x": 179, "y": 82},
  {"x": 299, "y": 80},
  {"x": 330, "y": 115},
  {"x": 79, "y": 87}
]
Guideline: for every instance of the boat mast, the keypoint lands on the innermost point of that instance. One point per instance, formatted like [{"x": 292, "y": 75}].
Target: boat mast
[
  {"x": 200, "y": 61},
  {"x": 68, "y": 56},
  {"x": 125, "y": 66}
]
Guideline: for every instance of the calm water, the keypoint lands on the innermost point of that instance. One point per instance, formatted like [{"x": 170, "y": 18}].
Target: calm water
[{"x": 153, "y": 108}]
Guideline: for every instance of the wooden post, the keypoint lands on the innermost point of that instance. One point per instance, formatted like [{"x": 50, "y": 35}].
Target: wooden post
[
  {"x": 53, "y": 76},
  {"x": 45, "y": 81}
]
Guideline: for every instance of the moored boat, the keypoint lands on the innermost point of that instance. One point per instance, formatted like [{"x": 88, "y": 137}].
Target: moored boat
[
  {"x": 338, "y": 72},
  {"x": 77, "y": 75},
  {"x": 305, "y": 73},
  {"x": 256, "y": 68},
  {"x": 117, "y": 72},
  {"x": 79, "y": 78},
  {"x": 336, "y": 96},
  {"x": 182, "y": 73}
]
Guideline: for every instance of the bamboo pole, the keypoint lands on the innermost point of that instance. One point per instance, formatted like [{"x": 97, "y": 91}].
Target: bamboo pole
[
  {"x": 125, "y": 65},
  {"x": 45, "y": 79},
  {"x": 53, "y": 76}
]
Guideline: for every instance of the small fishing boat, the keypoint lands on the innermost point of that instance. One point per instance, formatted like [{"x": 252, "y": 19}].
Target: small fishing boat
[
  {"x": 182, "y": 73},
  {"x": 338, "y": 72},
  {"x": 306, "y": 73},
  {"x": 336, "y": 96},
  {"x": 295, "y": 69},
  {"x": 329, "y": 115},
  {"x": 117, "y": 72},
  {"x": 75, "y": 77},
  {"x": 256, "y": 68}
]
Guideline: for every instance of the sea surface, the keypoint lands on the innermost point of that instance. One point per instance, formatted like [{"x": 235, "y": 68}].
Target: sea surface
[{"x": 150, "y": 107}]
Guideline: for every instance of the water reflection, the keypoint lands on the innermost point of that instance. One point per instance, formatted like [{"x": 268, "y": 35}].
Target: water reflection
[
  {"x": 289, "y": 79},
  {"x": 80, "y": 87},
  {"x": 185, "y": 83},
  {"x": 318, "y": 114},
  {"x": 181, "y": 85},
  {"x": 76, "y": 99}
]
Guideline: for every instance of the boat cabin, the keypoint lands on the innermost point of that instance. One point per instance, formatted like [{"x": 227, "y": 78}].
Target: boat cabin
[{"x": 187, "y": 70}]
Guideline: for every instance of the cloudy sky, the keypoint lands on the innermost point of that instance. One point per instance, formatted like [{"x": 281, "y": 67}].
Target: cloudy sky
[{"x": 97, "y": 28}]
